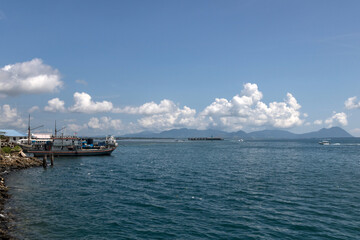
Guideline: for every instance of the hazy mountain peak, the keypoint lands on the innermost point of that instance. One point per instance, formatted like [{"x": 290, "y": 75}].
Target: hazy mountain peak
[{"x": 333, "y": 132}]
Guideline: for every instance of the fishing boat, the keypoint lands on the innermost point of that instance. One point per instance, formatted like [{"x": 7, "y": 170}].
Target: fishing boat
[
  {"x": 66, "y": 145},
  {"x": 70, "y": 146}
]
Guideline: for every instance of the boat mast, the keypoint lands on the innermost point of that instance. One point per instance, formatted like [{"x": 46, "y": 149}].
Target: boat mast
[
  {"x": 29, "y": 135},
  {"x": 29, "y": 130},
  {"x": 56, "y": 131}
]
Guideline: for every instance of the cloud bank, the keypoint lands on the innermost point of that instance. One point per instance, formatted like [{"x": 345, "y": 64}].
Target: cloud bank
[
  {"x": 247, "y": 109},
  {"x": 162, "y": 116},
  {"x": 32, "y": 77},
  {"x": 244, "y": 110}
]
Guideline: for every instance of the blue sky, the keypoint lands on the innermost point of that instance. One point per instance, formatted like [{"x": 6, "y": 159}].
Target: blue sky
[{"x": 129, "y": 66}]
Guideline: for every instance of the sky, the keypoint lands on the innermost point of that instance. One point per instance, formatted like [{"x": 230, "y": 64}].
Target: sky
[{"x": 118, "y": 67}]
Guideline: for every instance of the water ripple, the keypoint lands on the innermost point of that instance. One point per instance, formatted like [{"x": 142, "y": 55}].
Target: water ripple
[{"x": 194, "y": 190}]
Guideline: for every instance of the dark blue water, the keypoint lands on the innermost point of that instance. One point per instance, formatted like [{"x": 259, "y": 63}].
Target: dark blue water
[{"x": 194, "y": 190}]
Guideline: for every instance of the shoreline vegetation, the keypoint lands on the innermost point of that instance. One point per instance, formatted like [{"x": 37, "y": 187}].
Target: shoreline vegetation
[{"x": 11, "y": 159}]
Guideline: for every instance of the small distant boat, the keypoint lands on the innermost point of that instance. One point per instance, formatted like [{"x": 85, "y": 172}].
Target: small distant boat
[
  {"x": 324, "y": 142},
  {"x": 205, "y": 139}
]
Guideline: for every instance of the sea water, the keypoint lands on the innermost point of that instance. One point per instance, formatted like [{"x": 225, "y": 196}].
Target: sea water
[{"x": 194, "y": 190}]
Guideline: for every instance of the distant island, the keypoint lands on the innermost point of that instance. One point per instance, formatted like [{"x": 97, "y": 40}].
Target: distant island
[{"x": 334, "y": 132}]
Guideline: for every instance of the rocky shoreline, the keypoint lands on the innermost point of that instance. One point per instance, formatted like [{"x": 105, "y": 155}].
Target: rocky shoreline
[{"x": 8, "y": 163}]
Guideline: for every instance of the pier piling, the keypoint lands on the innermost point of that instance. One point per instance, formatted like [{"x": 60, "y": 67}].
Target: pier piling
[
  {"x": 44, "y": 161},
  {"x": 52, "y": 159}
]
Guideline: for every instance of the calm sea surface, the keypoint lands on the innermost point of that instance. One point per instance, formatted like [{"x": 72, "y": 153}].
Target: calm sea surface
[{"x": 194, "y": 190}]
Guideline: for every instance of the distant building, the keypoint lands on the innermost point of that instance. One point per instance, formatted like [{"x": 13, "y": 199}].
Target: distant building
[
  {"x": 1, "y": 134},
  {"x": 13, "y": 135}
]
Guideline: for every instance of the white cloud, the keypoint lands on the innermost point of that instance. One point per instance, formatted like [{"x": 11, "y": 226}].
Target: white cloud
[
  {"x": 102, "y": 125},
  {"x": 176, "y": 118},
  {"x": 32, "y": 77},
  {"x": 75, "y": 128},
  {"x": 9, "y": 117},
  {"x": 247, "y": 109},
  {"x": 84, "y": 104},
  {"x": 318, "y": 122},
  {"x": 337, "y": 118},
  {"x": 351, "y": 103},
  {"x": 162, "y": 116},
  {"x": 151, "y": 108},
  {"x": 94, "y": 123},
  {"x": 34, "y": 109},
  {"x": 105, "y": 123},
  {"x": 55, "y": 105}
]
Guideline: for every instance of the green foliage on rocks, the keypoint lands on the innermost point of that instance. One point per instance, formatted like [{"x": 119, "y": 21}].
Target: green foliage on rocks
[
  {"x": 2, "y": 137},
  {"x": 16, "y": 149},
  {"x": 6, "y": 149}
]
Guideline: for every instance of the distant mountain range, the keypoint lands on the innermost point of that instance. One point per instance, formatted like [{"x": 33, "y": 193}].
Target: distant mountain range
[{"x": 334, "y": 132}]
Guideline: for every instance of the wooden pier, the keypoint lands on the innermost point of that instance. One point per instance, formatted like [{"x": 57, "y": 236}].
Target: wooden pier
[{"x": 45, "y": 160}]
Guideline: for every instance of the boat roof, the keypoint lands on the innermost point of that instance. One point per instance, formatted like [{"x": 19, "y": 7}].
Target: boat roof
[
  {"x": 42, "y": 135},
  {"x": 67, "y": 137},
  {"x": 11, "y": 133}
]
